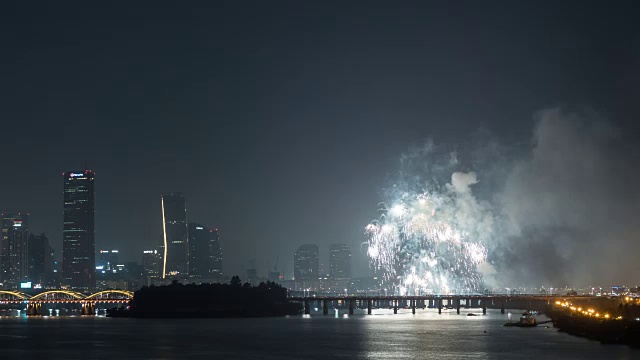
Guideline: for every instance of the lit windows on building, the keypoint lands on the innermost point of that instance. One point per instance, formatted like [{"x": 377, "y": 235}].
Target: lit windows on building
[{"x": 78, "y": 235}]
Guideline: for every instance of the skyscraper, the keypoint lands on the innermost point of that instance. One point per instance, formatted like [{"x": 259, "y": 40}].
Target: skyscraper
[
  {"x": 40, "y": 260},
  {"x": 205, "y": 256},
  {"x": 176, "y": 242},
  {"x": 15, "y": 252},
  {"x": 339, "y": 261},
  {"x": 78, "y": 234},
  {"x": 152, "y": 263},
  {"x": 306, "y": 263},
  {"x": 215, "y": 254},
  {"x": 198, "y": 251}
]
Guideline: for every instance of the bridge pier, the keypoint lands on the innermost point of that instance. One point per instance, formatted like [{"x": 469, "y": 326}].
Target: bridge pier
[
  {"x": 325, "y": 307},
  {"x": 395, "y": 306},
  {"x": 439, "y": 306},
  {"x": 33, "y": 309},
  {"x": 484, "y": 308},
  {"x": 502, "y": 307},
  {"x": 413, "y": 306},
  {"x": 88, "y": 308},
  {"x": 307, "y": 307},
  {"x": 458, "y": 301},
  {"x": 467, "y": 303},
  {"x": 369, "y": 305},
  {"x": 351, "y": 306}
]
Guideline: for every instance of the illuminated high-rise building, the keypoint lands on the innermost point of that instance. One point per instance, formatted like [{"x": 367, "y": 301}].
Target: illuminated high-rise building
[
  {"x": 15, "y": 252},
  {"x": 205, "y": 256},
  {"x": 339, "y": 261},
  {"x": 306, "y": 263},
  {"x": 215, "y": 254},
  {"x": 176, "y": 241},
  {"x": 78, "y": 234},
  {"x": 152, "y": 263}
]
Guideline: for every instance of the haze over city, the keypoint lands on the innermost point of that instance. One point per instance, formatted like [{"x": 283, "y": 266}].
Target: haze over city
[{"x": 287, "y": 123}]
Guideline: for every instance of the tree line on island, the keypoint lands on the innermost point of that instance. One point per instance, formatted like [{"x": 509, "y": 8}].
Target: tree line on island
[{"x": 210, "y": 300}]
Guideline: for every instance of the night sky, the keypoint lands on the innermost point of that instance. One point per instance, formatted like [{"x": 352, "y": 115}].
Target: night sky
[{"x": 281, "y": 121}]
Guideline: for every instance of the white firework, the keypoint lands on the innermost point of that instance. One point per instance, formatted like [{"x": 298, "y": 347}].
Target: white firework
[{"x": 418, "y": 250}]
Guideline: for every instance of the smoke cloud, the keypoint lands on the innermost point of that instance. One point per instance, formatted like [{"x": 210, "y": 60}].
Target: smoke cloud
[
  {"x": 570, "y": 208},
  {"x": 565, "y": 212},
  {"x": 460, "y": 181}
]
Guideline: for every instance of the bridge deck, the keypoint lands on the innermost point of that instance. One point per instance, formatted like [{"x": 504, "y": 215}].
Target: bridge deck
[{"x": 437, "y": 297}]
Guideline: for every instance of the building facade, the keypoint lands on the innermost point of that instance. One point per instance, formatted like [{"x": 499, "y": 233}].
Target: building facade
[
  {"x": 40, "y": 261},
  {"x": 176, "y": 242},
  {"x": 15, "y": 251},
  {"x": 78, "y": 234},
  {"x": 152, "y": 263},
  {"x": 108, "y": 260},
  {"x": 205, "y": 255},
  {"x": 215, "y": 254},
  {"x": 339, "y": 262},
  {"x": 306, "y": 263}
]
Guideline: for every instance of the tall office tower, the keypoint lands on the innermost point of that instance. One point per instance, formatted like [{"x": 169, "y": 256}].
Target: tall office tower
[
  {"x": 198, "y": 251},
  {"x": 152, "y": 263},
  {"x": 15, "y": 252},
  {"x": 339, "y": 261},
  {"x": 306, "y": 263},
  {"x": 108, "y": 260},
  {"x": 215, "y": 254},
  {"x": 78, "y": 233},
  {"x": 176, "y": 242},
  {"x": 205, "y": 256},
  {"x": 40, "y": 260}
]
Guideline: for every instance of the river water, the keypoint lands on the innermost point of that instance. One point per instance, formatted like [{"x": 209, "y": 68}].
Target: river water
[{"x": 383, "y": 335}]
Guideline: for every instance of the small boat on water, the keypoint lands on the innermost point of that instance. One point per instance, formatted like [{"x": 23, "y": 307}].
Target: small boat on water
[{"x": 527, "y": 319}]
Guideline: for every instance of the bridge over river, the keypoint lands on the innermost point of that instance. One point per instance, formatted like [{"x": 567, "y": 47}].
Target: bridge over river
[
  {"x": 39, "y": 304},
  {"x": 520, "y": 301}
]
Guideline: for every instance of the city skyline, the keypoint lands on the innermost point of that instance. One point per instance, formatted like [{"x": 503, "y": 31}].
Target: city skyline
[{"x": 79, "y": 199}]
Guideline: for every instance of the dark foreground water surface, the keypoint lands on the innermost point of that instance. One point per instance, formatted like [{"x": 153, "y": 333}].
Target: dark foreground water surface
[{"x": 425, "y": 335}]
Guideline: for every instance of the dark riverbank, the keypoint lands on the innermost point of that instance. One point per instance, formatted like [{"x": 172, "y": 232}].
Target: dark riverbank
[
  {"x": 604, "y": 330},
  {"x": 210, "y": 301}
]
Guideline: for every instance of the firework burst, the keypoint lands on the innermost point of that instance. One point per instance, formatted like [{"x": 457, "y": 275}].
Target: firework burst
[{"x": 418, "y": 250}]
